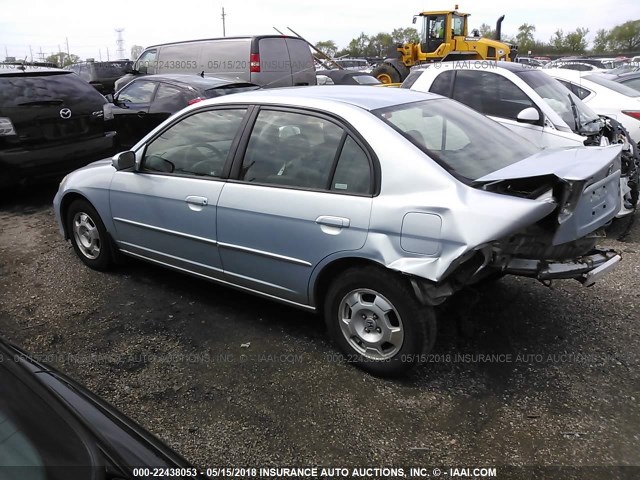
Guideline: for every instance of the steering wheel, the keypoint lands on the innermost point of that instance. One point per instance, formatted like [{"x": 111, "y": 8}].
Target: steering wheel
[{"x": 209, "y": 162}]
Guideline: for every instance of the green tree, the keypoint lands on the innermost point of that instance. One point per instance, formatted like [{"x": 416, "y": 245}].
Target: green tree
[
  {"x": 524, "y": 38},
  {"x": 358, "y": 46},
  {"x": 405, "y": 35},
  {"x": 576, "y": 41},
  {"x": 62, "y": 59},
  {"x": 136, "y": 50},
  {"x": 328, "y": 47},
  {"x": 557, "y": 40},
  {"x": 486, "y": 31},
  {"x": 625, "y": 37},
  {"x": 379, "y": 45},
  {"x": 601, "y": 41}
]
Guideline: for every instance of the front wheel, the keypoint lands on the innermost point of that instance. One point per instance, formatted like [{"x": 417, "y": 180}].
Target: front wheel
[
  {"x": 88, "y": 235},
  {"x": 376, "y": 320}
]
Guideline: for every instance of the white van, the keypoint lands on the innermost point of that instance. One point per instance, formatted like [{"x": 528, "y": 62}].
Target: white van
[{"x": 267, "y": 60}]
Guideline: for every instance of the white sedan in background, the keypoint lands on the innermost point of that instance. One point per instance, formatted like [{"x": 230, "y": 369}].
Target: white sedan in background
[{"x": 604, "y": 96}]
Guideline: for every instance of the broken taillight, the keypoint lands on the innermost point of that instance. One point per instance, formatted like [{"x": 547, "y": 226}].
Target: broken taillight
[
  {"x": 632, "y": 113},
  {"x": 254, "y": 63}
]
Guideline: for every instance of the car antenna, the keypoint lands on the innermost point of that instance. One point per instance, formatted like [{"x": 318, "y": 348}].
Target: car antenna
[{"x": 202, "y": 73}]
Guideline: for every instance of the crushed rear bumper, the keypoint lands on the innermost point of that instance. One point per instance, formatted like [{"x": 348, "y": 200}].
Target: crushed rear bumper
[{"x": 587, "y": 269}]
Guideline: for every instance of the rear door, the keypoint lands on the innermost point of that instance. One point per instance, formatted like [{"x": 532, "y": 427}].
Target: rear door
[
  {"x": 275, "y": 65},
  {"x": 303, "y": 192},
  {"x": 167, "y": 100},
  {"x": 302, "y": 67}
]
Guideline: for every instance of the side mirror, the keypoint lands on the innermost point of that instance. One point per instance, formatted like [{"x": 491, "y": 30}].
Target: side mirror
[
  {"x": 109, "y": 97},
  {"x": 529, "y": 115},
  {"x": 142, "y": 69},
  {"x": 124, "y": 160}
]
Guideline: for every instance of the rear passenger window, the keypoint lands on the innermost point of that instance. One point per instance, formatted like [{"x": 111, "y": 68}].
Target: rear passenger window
[
  {"x": 299, "y": 150},
  {"x": 490, "y": 94},
  {"x": 579, "y": 92},
  {"x": 353, "y": 174},
  {"x": 169, "y": 98}
]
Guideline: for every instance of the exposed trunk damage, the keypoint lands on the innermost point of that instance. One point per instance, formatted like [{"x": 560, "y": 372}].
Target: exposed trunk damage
[
  {"x": 614, "y": 132},
  {"x": 571, "y": 194}
]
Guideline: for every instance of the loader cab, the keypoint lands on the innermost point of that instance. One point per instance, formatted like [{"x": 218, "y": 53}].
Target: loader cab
[{"x": 441, "y": 27}]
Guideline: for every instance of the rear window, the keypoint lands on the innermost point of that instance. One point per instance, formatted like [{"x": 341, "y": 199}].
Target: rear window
[
  {"x": 366, "y": 79},
  {"x": 466, "y": 143},
  {"x": 411, "y": 78},
  {"x": 20, "y": 90},
  {"x": 615, "y": 86},
  {"x": 106, "y": 69}
]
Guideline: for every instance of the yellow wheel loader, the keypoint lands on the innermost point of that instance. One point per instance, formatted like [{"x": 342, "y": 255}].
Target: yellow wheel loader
[{"x": 444, "y": 36}]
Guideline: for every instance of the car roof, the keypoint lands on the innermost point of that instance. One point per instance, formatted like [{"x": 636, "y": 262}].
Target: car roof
[
  {"x": 193, "y": 80},
  {"x": 365, "y": 98},
  {"x": 472, "y": 64},
  {"x": 29, "y": 70},
  {"x": 568, "y": 74},
  {"x": 625, "y": 76},
  {"x": 241, "y": 37}
]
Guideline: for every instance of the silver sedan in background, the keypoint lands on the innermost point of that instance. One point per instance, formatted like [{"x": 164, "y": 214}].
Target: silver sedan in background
[{"x": 369, "y": 206}]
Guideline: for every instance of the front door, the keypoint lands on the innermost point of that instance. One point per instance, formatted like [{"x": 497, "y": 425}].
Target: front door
[{"x": 166, "y": 210}]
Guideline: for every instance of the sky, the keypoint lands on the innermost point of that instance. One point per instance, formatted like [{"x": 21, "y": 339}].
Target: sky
[{"x": 90, "y": 27}]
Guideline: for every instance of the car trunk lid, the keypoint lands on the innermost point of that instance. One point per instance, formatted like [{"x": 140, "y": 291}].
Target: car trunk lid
[{"x": 584, "y": 182}]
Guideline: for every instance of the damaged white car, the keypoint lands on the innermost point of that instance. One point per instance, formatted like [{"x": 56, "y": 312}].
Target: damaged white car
[{"x": 368, "y": 208}]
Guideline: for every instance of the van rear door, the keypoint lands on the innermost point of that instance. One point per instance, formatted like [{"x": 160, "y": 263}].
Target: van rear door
[
  {"x": 302, "y": 68},
  {"x": 275, "y": 65}
]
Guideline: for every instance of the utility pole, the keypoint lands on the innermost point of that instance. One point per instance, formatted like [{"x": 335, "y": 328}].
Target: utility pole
[
  {"x": 100, "y": 54},
  {"x": 61, "y": 56},
  {"x": 68, "y": 52},
  {"x": 224, "y": 31},
  {"x": 107, "y": 54},
  {"x": 30, "y": 53},
  {"x": 6, "y": 52}
]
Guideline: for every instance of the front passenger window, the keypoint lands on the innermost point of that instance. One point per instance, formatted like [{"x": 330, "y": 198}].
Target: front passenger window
[{"x": 197, "y": 145}]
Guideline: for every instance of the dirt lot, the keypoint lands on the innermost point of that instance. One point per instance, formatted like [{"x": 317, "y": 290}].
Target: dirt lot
[{"x": 549, "y": 376}]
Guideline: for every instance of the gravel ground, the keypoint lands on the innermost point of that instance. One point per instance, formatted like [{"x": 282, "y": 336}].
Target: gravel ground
[{"x": 521, "y": 374}]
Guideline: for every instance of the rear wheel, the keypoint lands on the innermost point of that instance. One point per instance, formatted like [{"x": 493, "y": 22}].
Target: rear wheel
[
  {"x": 378, "y": 323},
  {"x": 88, "y": 235}
]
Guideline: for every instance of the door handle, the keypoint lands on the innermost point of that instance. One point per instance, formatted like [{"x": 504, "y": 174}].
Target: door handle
[
  {"x": 329, "y": 221},
  {"x": 194, "y": 200},
  {"x": 141, "y": 113}
]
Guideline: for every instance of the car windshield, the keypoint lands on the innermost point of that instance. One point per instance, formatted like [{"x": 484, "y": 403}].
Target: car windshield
[
  {"x": 36, "y": 437},
  {"x": 466, "y": 143},
  {"x": 560, "y": 99},
  {"x": 615, "y": 86}
]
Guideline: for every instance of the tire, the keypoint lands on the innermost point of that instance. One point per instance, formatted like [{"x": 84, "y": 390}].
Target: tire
[
  {"x": 386, "y": 73},
  {"x": 88, "y": 235},
  {"x": 385, "y": 330}
]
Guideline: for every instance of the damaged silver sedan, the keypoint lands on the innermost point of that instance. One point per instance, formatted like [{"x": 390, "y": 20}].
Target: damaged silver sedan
[{"x": 370, "y": 208}]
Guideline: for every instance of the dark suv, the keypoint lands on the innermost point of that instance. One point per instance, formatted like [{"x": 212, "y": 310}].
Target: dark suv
[
  {"x": 102, "y": 75},
  {"x": 51, "y": 122}
]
